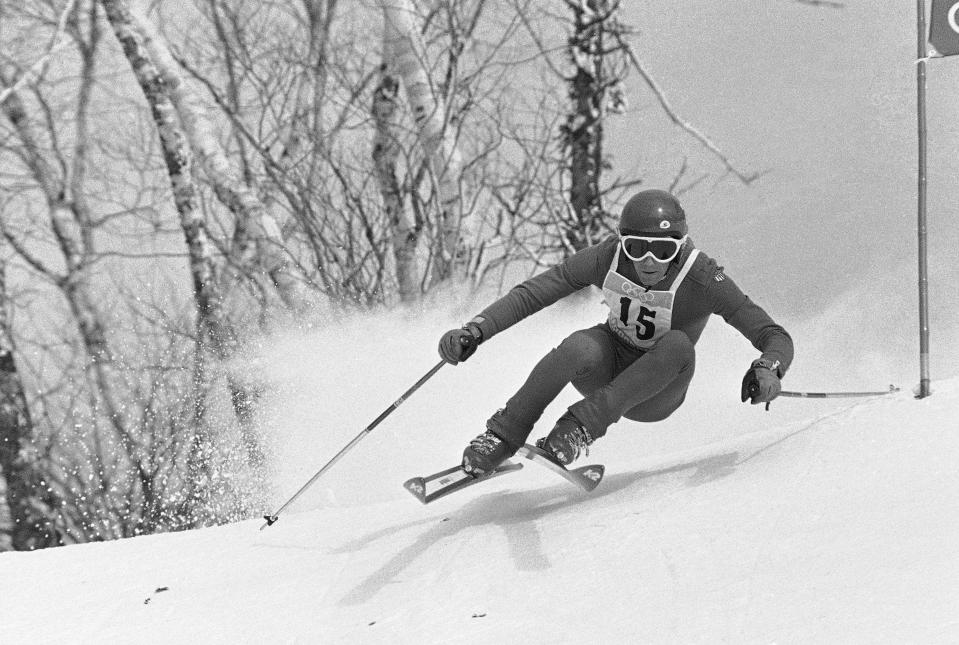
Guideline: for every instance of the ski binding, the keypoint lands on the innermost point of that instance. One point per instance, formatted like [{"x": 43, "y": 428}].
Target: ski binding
[
  {"x": 586, "y": 477},
  {"x": 432, "y": 487}
]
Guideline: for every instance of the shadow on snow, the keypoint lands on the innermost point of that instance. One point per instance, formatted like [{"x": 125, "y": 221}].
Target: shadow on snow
[{"x": 517, "y": 514}]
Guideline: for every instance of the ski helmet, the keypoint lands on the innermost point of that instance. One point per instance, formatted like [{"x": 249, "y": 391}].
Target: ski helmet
[{"x": 653, "y": 212}]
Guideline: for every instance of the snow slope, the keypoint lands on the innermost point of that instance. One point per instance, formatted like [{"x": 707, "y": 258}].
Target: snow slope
[
  {"x": 841, "y": 529},
  {"x": 816, "y": 522}
]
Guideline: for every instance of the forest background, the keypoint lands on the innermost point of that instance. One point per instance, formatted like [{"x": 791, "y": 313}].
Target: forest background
[{"x": 180, "y": 180}]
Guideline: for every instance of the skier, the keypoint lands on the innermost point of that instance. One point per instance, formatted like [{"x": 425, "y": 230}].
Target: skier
[{"x": 660, "y": 290}]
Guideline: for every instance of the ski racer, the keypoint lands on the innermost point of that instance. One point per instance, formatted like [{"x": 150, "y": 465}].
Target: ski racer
[{"x": 638, "y": 364}]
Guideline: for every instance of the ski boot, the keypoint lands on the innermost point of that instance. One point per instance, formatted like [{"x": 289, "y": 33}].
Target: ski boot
[
  {"x": 485, "y": 453},
  {"x": 567, "y": 440}
]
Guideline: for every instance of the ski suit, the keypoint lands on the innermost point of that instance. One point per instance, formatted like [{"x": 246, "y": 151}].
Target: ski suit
[{"x": 638, "y": 363}]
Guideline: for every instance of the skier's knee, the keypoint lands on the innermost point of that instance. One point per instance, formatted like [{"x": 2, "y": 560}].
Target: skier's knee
[
  {"x": 581, "y": 350},
  {"x": 679, "y": 347},
  {"x": 676, "y": 341},
  {"x": 649, "y": 416},
  {"x": 654, "y": 411}
]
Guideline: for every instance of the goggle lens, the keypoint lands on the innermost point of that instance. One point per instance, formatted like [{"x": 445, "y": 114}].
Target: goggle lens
[{"x": 663, "y": 249}]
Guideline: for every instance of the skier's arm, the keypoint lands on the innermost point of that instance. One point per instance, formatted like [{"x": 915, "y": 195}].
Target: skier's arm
[
  {"x": 750, "y": 319},
  {"x": 771, "y": 339},
  {"x": 580, "y": 270}
]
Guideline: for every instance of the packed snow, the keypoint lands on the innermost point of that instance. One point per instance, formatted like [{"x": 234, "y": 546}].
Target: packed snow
[{"x": 817, "y": 521}]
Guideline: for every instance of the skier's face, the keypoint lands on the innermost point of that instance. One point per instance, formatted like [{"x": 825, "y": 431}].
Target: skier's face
[
  {"x": 650, "y": 271},
  {"x": 650, "y": 254}
]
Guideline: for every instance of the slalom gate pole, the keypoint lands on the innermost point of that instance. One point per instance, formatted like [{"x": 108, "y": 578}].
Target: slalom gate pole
[
  {"x": 271, "y": 519},
  {"x": 924, "y": 379}
]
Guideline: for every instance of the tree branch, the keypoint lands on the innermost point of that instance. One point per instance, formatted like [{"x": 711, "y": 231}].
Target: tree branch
[
  {"x": 40, "y": 66},
  {"x": 746, "y": 178}
]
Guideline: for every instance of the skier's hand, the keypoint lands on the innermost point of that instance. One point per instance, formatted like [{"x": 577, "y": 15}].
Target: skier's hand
[
  {"x": 459, "y": 344},
  {"x": 761, "y": 383}
]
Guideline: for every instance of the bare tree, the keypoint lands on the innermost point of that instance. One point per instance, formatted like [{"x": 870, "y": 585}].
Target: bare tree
[
  {"x": 435, "y": 133},
  {"x": 27, "y": 503},
  {"x": 118, "y": 433},
  {"x": 61, "y": 181},
  {"x": 595, "y": 91},
  {"x": 257, "y": 159},
  {"x": 184, "y": 128}
]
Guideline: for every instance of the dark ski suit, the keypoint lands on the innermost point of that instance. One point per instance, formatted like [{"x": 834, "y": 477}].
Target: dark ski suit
[{"x": 638, "y": 363}]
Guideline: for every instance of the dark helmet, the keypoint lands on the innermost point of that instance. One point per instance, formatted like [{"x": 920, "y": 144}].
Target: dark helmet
[{"x": 653, "y": 211}]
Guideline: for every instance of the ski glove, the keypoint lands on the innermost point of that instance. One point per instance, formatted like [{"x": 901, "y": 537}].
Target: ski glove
[
  {"x": 761, "y": 383},
  {"x": 459, "y": 344}
]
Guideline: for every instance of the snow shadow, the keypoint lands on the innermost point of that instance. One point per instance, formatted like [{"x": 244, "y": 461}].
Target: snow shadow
[{"x": 517, "y": 513}]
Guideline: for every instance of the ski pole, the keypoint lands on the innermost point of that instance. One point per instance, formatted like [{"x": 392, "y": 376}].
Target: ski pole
[
  {"x": 753, "y": 389},
  {"x": 836, "y": 395},
  {"x": 271, "y": 519}
]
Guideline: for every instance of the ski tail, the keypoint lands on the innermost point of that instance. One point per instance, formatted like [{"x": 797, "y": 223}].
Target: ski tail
[{"x": 432, "y": 487}]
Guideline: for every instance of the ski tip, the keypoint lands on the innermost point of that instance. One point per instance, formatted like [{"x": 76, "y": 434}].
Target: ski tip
[
  {"x": 593, "y": 474},
  {"x": 417, "y": 488}
]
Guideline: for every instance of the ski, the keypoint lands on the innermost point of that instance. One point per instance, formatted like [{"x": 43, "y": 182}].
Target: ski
[
  {"x": 586, "y": 477},
  {"x": 432, "y": 487}
]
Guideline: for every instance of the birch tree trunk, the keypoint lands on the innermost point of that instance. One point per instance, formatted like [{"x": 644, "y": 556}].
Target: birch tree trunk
[
  {"x": 589, "y": 49},
  {"x": 307, "y": 122},
  {"x": 225, "y": 176},
  {"x": 179, "y": 160},
  {"x": 402, "y": 38},
  {"x": 386, "y": 150},
  {"x": 214, "y": 330},
  {"x": 269, "y": 257}
]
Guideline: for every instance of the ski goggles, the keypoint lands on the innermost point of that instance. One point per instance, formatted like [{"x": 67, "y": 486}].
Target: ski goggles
[{"x": 662, "y": 249}]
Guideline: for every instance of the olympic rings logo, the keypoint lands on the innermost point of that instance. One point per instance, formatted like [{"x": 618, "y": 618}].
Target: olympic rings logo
[{"x": 638, "y": 293}]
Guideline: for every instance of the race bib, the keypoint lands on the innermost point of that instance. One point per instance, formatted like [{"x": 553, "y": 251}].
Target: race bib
[{"x": 639, "y": 316}]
